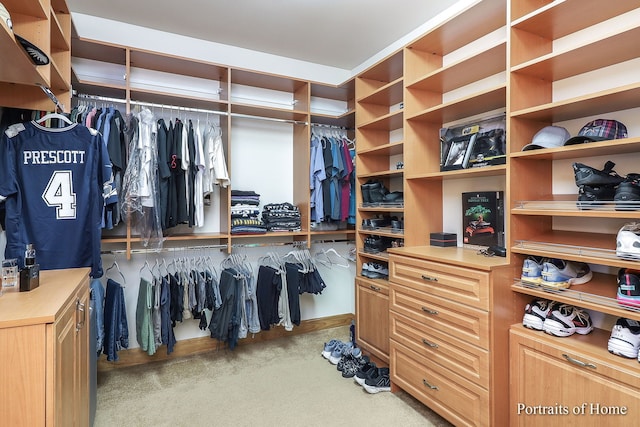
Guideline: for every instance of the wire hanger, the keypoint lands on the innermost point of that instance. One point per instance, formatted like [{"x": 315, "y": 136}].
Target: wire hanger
[{"x": 117, "y": 267}]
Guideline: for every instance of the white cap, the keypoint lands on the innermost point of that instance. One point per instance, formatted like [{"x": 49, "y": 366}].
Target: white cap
[
  {"x": 548, "y": 137},
  {"x": 5, "y": 17}
]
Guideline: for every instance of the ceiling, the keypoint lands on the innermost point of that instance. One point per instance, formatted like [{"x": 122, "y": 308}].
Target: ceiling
[{"x": 336, "y": 33}]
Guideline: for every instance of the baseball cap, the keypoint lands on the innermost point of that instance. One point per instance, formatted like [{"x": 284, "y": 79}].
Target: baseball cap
[
  {"x": 38, "y": 57},
  {"x": 548, "y": 137},
  {"x": 599, "y": 130}
]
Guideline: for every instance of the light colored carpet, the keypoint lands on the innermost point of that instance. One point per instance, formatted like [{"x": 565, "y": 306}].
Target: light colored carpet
[{"x": 284, "y": 382}]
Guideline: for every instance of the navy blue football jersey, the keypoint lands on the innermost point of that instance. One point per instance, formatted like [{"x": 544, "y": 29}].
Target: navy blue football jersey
[{"x": 54, "y": 183}]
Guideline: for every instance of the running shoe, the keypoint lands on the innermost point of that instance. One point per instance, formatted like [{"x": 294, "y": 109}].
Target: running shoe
[
  {"x": 536, "y": 312},
  {"x": 565, "y": 320},
  {"x": 341, "y": 349},
  {"x": 625, "y": 338},
  {"x": 560, "y": 274},
  {"x": 628, "y": 241},
  {"x": 628, "y": 287},
  {"x": 329, "y": 347},
  {"x": 366, "y": 371},
  {"x": 627, "y": 196},
  {"x": 381, "y": 382},
  {"x": 532, "y": 270}
]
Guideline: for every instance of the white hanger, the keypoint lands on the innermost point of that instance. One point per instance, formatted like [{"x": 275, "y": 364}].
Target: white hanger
[
  {"x": 54, "y": 116},
  {"x": 117, "y": 267}
]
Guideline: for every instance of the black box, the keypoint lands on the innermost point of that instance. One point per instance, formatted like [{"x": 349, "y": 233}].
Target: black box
[
  {"x": 483, "y": 218},
  {"x": 443, "y": 239},
  {"x": 473, "y": 145},
  {"x": 29, "y": 278}
]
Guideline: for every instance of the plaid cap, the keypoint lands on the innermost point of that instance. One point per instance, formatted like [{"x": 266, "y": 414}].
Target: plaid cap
[{"x": 599, "y": 130}]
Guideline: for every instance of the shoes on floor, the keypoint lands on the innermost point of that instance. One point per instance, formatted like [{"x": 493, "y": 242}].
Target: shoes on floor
[
  {"x": 532, "y": 270},
  {"x": 381, "y": 382},
  {"x": 628, "y": 287},
  {"x": 627, "y": 193},
  {"x": 628, "y": 241},
  {"x": 348, "y": 356},
  {"x": 560, "y": 274},
  {"x": 340, "y": 350},
  {"x": 565, "y": 320},
  {"x": 625, "y": 338},
  {"x": 366, "y": 371},
  {"x": 329, "y": 347},
  {"x": 536, "y": 312},
  {"x": 353, "y": 365}
]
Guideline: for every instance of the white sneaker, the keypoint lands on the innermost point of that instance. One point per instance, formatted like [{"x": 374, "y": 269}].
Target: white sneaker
[
  {"x": 536, "y": 312},
  {"x": 378, "y": 271},
  {"x": 566, "y": 320},
  {"x": 628, "y": 241},
  {"x": 625, "y": 338}
]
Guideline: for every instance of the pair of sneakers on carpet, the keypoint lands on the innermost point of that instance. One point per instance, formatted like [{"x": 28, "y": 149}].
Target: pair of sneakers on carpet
[{"x": 353, "y": 364}]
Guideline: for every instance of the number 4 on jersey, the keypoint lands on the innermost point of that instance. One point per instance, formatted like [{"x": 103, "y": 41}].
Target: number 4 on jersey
[{"x": 59, "y": 194}]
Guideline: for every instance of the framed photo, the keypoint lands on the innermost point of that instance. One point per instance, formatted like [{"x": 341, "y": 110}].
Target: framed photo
[{"x": 458, "y": 152}]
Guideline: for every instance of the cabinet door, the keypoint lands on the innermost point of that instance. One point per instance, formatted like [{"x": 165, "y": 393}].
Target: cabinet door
[
  {"x": 372, "y": 318},
  {"x": 556, "y": 384},
  {"x": 82, "y": 358},
  {"x": 63, "y": 382}
]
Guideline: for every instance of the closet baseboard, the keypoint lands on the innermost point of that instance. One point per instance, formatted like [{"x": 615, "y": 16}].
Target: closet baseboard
[{"x": 189, "y": 347}]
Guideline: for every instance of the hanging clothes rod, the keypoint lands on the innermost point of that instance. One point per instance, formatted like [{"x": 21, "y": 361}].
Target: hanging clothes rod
[
  {"x": 189, "y": 109},
  {"x": 164, "y": 249},
  {"x": 265, "y": 245}
]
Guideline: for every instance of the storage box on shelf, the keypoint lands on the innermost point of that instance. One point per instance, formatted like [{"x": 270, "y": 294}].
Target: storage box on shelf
[
  {"x": 448, "y": 78},
  {"x": 547, "y": 58},
  {"x": 47, "y": 24}
]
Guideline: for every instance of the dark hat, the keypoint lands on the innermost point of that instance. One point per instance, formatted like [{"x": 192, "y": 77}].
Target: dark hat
[
  {"x": 36, "y": 54},
  {"x": 548, "y": 137},
  {"x": 599, "y": 130}
]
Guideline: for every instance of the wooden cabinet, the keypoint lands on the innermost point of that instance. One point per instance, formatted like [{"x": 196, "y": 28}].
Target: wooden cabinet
[
  {"x": 44, "y": 348},
  {"x": 557, "y": 381},
  {"x": 555, "y": 80},
  {"x": 372, "y": 317},
  {"x": 47, "y": 24},
  {"x": 448, "y": 331}
]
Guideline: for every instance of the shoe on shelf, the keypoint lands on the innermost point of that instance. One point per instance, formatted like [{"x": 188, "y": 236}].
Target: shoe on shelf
[
  {"x": 628, "y": 241},
  {"x": 366, "y": 191},
  {"x": 536, "y": 312},
  {"x": 587, "y": 175},
  {"x": 377, "y": 270},
  {"x": 628, "y": 287},
  {"x": 532, "y": 270},
  {"x": 560, "y": 274},
  {"x": 381, "y": 382},
  {"x": 365, "y": 270},
  {"x": 565, "y": 320},
  {"x": 397, "y": 225},
  {"x": 625, "y": 338},
  {"x": 366, "y": 371},
  {"x": 591, "y": 196},
  {"x": 393, "y": 198},
  {"x": 377, "y": 191},
  {"x": 627, "y": 193}
]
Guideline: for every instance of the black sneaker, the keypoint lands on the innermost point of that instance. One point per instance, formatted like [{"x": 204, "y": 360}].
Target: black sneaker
[
  {"x": 627, "y": 194},
  {"x": 586, "y": 175},
  {"x": 366, "y": 371},
  {"x": 591, "y": 196},
  {"x": 379, "y": 383},
  {"x": 353, "y": 365},
  {"x": 377, "y": 191}
]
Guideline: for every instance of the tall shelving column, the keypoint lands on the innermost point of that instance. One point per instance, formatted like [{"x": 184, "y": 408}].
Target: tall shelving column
[
  {"x": 380, "y": 143},
  {"x": 552, "y": 47}
]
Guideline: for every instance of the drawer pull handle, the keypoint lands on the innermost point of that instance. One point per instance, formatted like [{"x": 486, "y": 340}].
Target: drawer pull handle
[
  {"x": 429, "y": 278},
  {"x": 578, "y": 362},
  {"x": 429, "y": 343},
  {"x": 429, "y": 311},
  {"x": 432, "y": 387},
  {"x": 375, "y": 288}
]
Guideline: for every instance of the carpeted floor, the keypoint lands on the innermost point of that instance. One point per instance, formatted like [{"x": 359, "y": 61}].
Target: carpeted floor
[{"x": 284, "y": 382}]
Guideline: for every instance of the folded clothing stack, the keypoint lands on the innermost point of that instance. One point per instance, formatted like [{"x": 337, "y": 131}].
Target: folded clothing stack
[
  {"x": 281, "y": 217},
  {"x": 245, "y": 214}
]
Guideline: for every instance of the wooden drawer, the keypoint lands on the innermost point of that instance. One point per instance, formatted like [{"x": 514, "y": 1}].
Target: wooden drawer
[
  {"x": 575, "y": 371},
  {"x": 461, "y": 402},
  {"x": 457, "y": 320},
  {"x": 464, "y": 285},
  {"x": 468, "y": 361}
]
